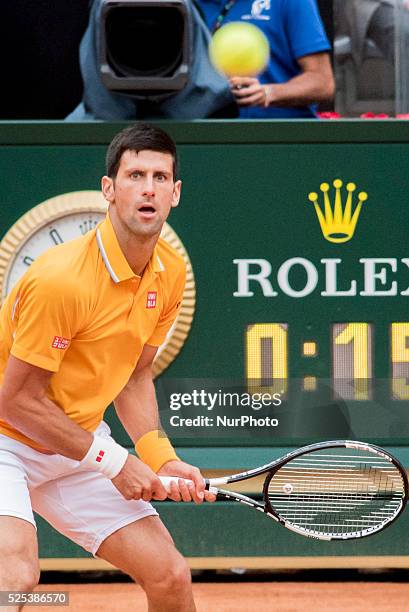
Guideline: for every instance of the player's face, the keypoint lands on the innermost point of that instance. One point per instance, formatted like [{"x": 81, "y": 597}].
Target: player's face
[{"x": 143, "y": 192}]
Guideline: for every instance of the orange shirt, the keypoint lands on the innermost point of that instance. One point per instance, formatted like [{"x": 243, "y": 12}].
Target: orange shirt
[{"x": 82, "y": 313}]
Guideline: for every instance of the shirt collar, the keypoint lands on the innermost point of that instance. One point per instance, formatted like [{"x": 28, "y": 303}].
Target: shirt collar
[{"x": 113, "y": 257}]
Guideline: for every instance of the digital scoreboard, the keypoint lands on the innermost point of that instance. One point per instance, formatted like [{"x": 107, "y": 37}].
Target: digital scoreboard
[
  {"x": 352, "y": 358},
  {"x": 297, "y": 320}
]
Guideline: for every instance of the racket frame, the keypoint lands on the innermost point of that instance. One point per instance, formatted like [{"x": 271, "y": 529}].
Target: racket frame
[{"x": 271, "y": 468}]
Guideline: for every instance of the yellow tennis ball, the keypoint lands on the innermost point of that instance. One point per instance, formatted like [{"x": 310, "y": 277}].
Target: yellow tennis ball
[{"x": 239, "y": 49}]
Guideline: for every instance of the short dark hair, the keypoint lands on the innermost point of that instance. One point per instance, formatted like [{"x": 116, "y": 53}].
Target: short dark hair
[{"x": 139, "y": 137}]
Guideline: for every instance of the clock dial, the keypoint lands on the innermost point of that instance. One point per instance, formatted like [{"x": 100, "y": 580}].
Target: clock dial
[
  {"x": 69, "y": 216},
  {"x": 61, "y": 230},
  {"x": 52, "y": 222}
]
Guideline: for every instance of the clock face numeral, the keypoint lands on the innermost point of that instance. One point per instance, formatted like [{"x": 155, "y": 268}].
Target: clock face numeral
[
  {"x": 87, "y": 225},
  {"x": 55, "y": 237},
  {"x": 28, "y": 260}
]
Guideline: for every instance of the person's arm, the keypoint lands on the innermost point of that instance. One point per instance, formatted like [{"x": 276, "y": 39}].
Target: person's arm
[
  {"x": 25, "y": 405},
  {"x": 136, "y": 404},
  {"x": 314, "y": 84},
  {"x": 137, "y": 410}
]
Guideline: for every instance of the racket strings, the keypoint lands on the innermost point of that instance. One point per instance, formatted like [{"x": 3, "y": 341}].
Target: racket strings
[{"x": 337, "y": 492}]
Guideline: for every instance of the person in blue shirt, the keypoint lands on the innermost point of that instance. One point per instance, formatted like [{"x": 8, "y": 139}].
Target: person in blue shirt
[{"x": 299, "y": 72}]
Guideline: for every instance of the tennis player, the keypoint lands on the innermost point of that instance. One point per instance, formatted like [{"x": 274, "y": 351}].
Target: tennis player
[{"x": 79, "y": 330}]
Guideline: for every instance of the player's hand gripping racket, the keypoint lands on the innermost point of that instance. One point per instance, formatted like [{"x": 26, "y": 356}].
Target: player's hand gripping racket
[{"x": 335, "y": 490}]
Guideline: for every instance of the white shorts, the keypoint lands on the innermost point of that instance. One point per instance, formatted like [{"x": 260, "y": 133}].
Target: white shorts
[{"x": 81, "y": 504}]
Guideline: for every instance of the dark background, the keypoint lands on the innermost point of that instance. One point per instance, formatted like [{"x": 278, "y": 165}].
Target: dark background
[{"x": 40, "y": 76}]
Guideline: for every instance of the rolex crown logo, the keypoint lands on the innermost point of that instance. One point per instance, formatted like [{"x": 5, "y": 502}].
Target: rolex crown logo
[{"x": 338, "y": 224}]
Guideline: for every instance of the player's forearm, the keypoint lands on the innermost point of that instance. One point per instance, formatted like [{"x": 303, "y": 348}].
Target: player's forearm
[
  {"x": 307, "y": 88},
  {"x": 44, "y": 422},
  {"x": 137, "y": 407}
]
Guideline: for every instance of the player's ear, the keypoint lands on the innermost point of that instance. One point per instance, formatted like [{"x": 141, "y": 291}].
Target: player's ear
[
  {"x": 176, "y": 193},
  {"x": 107, "y": 187}
]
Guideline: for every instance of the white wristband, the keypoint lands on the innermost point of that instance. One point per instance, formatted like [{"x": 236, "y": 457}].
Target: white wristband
[{"x": 105, "y": 456}]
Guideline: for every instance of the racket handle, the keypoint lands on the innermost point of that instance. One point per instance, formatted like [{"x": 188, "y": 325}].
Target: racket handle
[{"x": 167, "y": 480}]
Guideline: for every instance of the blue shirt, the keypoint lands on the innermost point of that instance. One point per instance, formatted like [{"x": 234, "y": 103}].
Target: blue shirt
[{"x": 293, "y": 28}]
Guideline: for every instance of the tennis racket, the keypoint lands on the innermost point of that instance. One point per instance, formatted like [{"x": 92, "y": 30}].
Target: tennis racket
[{"x": 338, "y": 490}]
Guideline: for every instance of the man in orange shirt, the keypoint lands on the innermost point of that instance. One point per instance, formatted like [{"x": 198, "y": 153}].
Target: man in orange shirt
[{"x": 79, "y": 330}]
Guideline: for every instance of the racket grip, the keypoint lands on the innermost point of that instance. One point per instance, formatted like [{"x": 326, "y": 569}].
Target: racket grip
[{"x": 167, "y": 480}]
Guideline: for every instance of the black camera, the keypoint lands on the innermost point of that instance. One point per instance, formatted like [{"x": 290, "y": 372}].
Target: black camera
[{"x": 145, "y": 45}]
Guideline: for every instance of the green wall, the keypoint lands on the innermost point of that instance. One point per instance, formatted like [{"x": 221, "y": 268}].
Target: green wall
[{"x": 245, "y": 196}]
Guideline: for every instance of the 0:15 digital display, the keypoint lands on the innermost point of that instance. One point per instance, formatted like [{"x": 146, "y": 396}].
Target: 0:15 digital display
[{"x": 352, "y": 350}]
